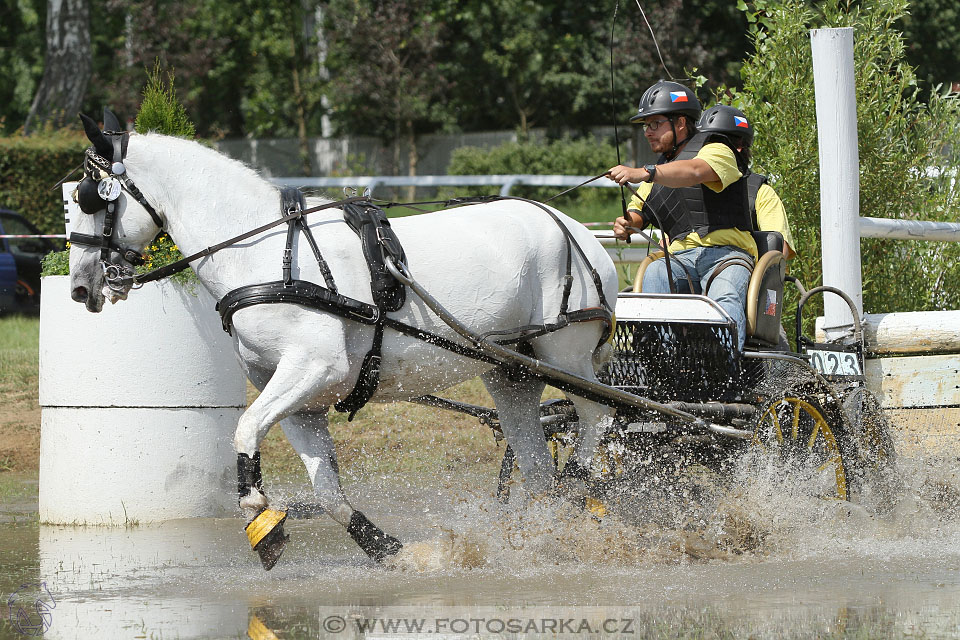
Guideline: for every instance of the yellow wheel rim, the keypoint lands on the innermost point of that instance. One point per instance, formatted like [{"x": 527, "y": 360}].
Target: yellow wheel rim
[{"x": 793, "y": 421}]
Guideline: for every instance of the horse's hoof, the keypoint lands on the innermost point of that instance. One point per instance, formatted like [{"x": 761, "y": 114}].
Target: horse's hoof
[
  {"x": 374, "y": 542},
  {"x": 576, "y": 486},
  {"x": 267, "y": 537}
]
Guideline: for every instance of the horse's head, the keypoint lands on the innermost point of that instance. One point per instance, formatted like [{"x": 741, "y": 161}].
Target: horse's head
[{"x": 108, "y": 241}]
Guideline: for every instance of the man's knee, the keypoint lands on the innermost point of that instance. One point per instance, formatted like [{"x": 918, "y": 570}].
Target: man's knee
[{"x": 655, "y": 278}]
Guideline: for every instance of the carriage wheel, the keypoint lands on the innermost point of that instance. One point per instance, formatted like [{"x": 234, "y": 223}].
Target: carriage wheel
[
  {"x": 875, "y": 463},
  {"x": 799, "y": 433}
]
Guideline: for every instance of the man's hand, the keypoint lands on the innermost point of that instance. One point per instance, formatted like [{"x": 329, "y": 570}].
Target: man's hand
[
  {"x": 622, "y": 226},
  {"x": 622, "y": 174}
]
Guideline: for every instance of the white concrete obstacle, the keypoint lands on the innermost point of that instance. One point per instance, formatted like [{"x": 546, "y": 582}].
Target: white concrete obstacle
[{"x": 139, "y": 404}]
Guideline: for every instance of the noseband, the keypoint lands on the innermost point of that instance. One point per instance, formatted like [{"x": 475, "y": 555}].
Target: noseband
[{"x": 103, "y": 182}]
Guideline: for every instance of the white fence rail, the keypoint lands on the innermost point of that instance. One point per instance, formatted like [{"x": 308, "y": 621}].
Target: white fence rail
[
  {"x": 505, "y": 182},
  {"x": 620, "y": 252}
]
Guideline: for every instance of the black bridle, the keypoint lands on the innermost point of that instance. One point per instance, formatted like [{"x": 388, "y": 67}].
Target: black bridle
[{"x": 102, "y": 184}]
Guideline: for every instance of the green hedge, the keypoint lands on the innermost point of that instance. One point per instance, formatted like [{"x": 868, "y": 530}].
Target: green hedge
[
  {"x": 30, "y": 166},
  {"x": 577, "y": 157}
]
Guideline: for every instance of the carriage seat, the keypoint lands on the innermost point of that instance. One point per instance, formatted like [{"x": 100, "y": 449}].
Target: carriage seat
[{"x": 764, "y": 304}]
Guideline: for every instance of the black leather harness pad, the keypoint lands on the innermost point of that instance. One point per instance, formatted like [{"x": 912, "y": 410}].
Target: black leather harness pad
[
  {"x": 300, "y": 292},
  {"x": 378, "y": 239}
]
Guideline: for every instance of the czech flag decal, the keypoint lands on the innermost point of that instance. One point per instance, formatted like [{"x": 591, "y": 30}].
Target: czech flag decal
[
  {"x": 678, "y": 96},
  {"x": 741, "y": 122}
]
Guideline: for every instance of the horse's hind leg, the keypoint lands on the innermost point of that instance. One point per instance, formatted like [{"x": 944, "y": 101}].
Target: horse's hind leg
[
  {"x": 572, "y": 349},
  {"x": 310, "y": 437},
  {"x": 518, "y": 405}
]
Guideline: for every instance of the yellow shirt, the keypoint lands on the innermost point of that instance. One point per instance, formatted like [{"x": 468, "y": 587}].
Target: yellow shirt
[{"x": 771, "y": 215}]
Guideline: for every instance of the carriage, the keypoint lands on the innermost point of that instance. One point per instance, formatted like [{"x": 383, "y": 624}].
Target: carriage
[{"x": 809, "y": 409}]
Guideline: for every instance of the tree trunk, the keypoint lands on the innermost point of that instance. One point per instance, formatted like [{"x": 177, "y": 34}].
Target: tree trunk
[
  {"x": 300, "y": 100},
  {"x": 411, "y": 160},
  {"x": 67, "y": 66}
]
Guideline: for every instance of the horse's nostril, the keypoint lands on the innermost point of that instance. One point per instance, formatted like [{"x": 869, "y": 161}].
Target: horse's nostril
[{"x": 79, "y": 294}]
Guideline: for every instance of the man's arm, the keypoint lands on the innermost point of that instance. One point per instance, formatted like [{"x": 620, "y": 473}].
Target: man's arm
[{"x": 679, "y": 173}]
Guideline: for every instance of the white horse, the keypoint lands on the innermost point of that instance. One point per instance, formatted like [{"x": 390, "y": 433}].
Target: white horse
[{"x": 494, "y": 266}]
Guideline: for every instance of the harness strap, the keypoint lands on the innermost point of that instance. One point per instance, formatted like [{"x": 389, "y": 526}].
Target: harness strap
[
  {"x": 369, "y": 378},
  {"x": 324, "y": 267},
  {"x": 299, "y": 292},
  {"x": 314, "y": 296},
  {"x": 530, "y": 331},
  {"x": 378, "y": 241},
  {"x": 183, "y": 263}
]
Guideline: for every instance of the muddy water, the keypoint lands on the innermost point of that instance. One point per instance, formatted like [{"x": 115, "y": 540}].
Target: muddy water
[{"x": 754, "y": 556}]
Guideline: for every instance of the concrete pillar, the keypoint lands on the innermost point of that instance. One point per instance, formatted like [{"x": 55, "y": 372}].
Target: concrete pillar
[
  {"x": 139, "y": 404},
  {"x": 835, "y": 85}
]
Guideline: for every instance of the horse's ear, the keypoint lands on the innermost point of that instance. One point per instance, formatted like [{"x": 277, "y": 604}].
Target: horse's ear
[
  {"x": 110, "y": 121},
  {"x": 100, "y": 142}
]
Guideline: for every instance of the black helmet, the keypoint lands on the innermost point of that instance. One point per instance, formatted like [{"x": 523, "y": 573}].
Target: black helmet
[
  {"x": 729, "y": 120},
  {"x": 666, "y": 97}
]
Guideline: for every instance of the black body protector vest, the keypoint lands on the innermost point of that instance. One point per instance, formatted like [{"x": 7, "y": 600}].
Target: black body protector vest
[
  {"x": 678, "y": 212},
  {"x": 754, "y": 182}
]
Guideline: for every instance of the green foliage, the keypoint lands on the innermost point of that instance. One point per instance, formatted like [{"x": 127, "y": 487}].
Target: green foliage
[
  {"x": 21, "y": 58},
  {"x": 933, "y": 40},
  {"x": 164, "y": 251},
  {"x": 56, "y": 263},
  {"x": 577, "y": 157},
  {"x": 383, "y": 60},
  {"x": 907, "y": 148},
  {"x": 30, "y": 166},
  {"x": 160, "y": 110}
]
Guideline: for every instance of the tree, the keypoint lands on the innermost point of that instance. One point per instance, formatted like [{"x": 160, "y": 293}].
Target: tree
[
  {"x": 67, "y": 65},
  {"x": 386, "y": 78},
  {"x": 908, "y": 149},
  {"x": 933, "y": 40},
  {"x": 21, "y": 58}
]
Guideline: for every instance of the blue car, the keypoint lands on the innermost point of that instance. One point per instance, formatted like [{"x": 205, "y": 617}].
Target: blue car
[
  {"x": 20, "y": 263},
  {"x": 8, "y": 280}
]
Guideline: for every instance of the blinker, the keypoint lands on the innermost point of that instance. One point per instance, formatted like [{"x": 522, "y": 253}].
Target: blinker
[{"x": 88, "y": 196}]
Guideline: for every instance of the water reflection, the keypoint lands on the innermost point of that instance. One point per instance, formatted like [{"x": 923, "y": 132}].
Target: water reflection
[{"x": 755, "y": 559}]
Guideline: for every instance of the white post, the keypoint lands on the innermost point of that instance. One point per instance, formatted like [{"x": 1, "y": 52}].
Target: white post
[{"x": 835, "y": 85}]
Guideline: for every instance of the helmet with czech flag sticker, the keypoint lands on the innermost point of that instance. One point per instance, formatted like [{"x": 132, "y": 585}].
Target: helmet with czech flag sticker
[
  {"x": 727, "y": 120},
  {"x": 667, "y": 98}
]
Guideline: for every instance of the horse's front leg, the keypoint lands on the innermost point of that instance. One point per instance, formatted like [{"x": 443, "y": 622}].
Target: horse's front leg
[
  {"x": 307, "y": 431},
  {"x": 293, "y": 384}
]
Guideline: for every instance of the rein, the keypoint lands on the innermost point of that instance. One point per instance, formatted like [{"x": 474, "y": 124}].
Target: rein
[{"x": 183, "y": 263}]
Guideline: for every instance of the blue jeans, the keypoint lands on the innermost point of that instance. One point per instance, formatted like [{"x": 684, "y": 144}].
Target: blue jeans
[{"x": 728, "y": 289}]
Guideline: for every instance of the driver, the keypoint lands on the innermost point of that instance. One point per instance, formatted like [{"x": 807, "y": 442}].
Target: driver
[{"x": 694, "y": 194}]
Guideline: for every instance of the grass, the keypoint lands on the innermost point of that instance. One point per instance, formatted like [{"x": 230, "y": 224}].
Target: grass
[
  {"x": 19, "y": 409},
  {"x": 19, "y": 355}
]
